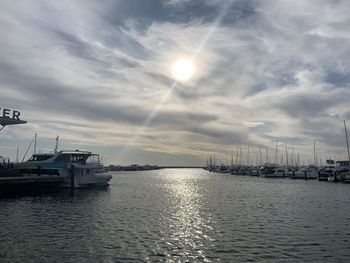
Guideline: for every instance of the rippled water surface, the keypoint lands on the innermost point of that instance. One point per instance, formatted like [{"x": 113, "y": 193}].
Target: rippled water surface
[{"x": 179, "y": 215}]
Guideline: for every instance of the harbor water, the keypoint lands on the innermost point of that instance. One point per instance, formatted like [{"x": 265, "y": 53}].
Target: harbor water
[{"x": 180, "y": 215}]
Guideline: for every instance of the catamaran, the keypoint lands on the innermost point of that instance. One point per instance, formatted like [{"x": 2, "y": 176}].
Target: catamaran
[{"x": 78, "y": 169}]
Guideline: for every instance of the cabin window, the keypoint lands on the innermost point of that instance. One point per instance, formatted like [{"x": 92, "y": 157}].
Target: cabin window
[
  {"x": 64, "y": 158},
  {"x": 78, "y": 159},
  {"x": 40, "y": 157}
]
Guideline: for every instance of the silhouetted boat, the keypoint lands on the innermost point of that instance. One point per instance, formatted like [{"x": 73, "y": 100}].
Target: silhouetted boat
[{"x": 77, "y": 169}]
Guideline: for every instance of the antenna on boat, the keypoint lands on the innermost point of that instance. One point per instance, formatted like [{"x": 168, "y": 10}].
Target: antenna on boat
[
  {"x": 347, "y": 141},
  {"x": 56, "y": 146}
]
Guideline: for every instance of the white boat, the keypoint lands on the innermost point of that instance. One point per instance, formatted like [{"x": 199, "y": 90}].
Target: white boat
[
  {"x": 273, "y": 171},
  {"x": 309, "y": 172},
  {"x": 345, "y": 176},
  {"x": 221, "y": 169},
  {"x": 326, "y": 172},
  {"x": 343, "y": 171},
  {"x": 78, "y": 169}
]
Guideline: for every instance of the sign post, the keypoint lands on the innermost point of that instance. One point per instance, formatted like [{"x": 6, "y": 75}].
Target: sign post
[{"x": 9, "y": 117}]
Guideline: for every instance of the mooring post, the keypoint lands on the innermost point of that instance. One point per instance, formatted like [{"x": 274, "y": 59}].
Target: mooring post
[
  {"x": 305, "y": 175},
  {"x": 72, "y": 177}
]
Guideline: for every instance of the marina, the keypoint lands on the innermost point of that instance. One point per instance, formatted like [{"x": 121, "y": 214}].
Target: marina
[
  {"x": 82, "y": 169},
  {"x": 174, "y": 131},
  {"x": 324, "y": 173},
  {"x": 332, "y": 171}
]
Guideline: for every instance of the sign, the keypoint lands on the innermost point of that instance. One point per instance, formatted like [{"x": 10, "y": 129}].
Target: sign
[{"x": 10, "y": 117}]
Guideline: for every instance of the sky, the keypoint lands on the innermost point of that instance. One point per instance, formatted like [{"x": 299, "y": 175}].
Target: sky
[{"x": 98, "y": 74}]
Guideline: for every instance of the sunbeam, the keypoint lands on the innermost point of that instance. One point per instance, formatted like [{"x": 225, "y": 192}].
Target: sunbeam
[{"x": 178, "y": 77}]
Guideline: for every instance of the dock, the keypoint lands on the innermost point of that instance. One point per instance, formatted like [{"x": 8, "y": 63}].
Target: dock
[
  {"x": 34, "y": 179},
  {"x": 22, "y": 185}
]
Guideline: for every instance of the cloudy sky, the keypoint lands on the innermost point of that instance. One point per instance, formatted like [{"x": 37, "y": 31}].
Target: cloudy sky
[{"x": 98, "y": 74}]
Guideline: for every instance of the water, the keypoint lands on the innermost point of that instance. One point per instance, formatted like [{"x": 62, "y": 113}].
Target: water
[{"x": 179, "y": 215}]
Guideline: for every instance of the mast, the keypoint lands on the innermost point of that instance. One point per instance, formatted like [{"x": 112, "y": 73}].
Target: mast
[
  {"x": 286, "y": 155},
  {"x": 314, "y": 152},
  {"x": 276, "y": 152},
  {"x": 347, "y": 141},
  {"x": 248, "y": 156},
  {"x": 56, "y": 146},
  {"x": 17, "y": 154},
  {"x": 282, "y": 159},
  {"x": 292, "y": 157},
  {"x": 267, "y": 155},
  {"x": 260, "y": 159},
  {"x": 240, "y": 155},
  {"x": 28, "y": 148},
  {"x": 35, "y": 139},
  {"x": 298, "y": 160},
  {"x": 237, "y": 156}
]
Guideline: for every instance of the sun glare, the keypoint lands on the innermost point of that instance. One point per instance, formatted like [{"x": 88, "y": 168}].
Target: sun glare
[{"x": 182, "y": 69}]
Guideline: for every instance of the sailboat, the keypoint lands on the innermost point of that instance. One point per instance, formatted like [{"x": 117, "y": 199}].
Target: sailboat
[{"x": 345, "y": 174}]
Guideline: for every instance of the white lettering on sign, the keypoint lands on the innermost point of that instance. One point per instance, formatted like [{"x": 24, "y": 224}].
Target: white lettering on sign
[{"x": 9, "y": 114}]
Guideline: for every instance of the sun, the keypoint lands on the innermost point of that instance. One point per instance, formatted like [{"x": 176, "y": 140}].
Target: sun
[{"x": 182, "y": 69}]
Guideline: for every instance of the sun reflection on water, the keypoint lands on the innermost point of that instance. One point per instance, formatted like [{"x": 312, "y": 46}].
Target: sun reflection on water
[{"x": 189, "y": 224}]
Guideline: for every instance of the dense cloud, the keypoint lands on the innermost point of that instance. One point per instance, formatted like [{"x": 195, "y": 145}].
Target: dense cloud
[{"x": 97, "y": 74}]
